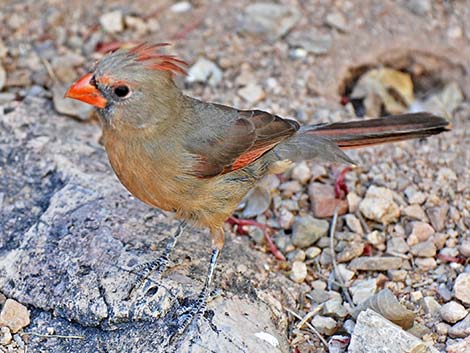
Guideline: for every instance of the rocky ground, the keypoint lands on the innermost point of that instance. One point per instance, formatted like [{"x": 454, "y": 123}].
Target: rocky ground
[{"x": 392, "y": 264}]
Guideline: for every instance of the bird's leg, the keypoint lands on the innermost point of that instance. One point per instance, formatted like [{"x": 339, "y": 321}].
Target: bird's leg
[
  {"x": 341, "y": 189},
  {"x": 240, "y": 223},
  {"x": 157, "y": 266},
  {"x": 197, "y": 310}
]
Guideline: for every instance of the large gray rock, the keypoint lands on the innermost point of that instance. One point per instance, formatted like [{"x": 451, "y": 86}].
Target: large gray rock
[
  {"x": 372, "y": 333},
  {"x": 70, "y": 236}
]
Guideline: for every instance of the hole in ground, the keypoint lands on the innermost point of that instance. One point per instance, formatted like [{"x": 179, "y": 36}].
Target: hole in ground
[{"x": 429, "y": 74}]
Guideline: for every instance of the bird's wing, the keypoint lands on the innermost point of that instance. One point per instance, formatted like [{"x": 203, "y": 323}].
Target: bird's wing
[{"x": 250, "y": 135}]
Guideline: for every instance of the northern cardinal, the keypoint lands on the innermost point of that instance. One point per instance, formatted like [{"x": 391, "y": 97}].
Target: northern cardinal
[{"x": 199, "y": 159}]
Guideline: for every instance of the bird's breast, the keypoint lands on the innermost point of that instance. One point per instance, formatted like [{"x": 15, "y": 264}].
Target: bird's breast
[{"x": 150, "y": 173}]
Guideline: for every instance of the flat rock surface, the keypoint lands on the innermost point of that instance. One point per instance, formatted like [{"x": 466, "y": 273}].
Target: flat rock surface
[{"x": 70, "y": 260}]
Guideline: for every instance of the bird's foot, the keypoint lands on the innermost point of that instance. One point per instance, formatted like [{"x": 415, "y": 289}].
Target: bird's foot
[
  {"x": 143, "y": 271},
  {"x": 240, "y": 223},
  {"x": 192, "y": 313},
  {"x": 341, "y": 189},
  {"x": 143, "y": 283}
]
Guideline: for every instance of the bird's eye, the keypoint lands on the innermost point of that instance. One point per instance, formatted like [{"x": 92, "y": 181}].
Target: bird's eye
[{"x": 121, "y": 91}]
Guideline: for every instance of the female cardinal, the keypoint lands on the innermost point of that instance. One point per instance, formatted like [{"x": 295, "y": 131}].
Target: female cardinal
[{"x": 199, "y": 159}]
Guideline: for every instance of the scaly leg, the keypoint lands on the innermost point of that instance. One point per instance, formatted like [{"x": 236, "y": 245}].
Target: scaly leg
[
  {"x": 196, "y": 311},
  {"x": 157, "y": 266}
]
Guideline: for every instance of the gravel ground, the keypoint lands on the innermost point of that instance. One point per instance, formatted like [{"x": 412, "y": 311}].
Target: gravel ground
[{"x": 403, "y": 225}]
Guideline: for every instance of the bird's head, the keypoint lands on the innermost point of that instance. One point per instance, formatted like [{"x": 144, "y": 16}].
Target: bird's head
[{"x": 132, "y": 88}]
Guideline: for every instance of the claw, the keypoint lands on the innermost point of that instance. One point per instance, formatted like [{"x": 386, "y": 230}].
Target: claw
[
  {"x": 198, "y": 308},
  {"x": 156, "y": 267}
]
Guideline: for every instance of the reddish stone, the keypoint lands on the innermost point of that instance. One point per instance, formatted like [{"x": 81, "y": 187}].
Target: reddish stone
[{"x": 322, "y": 198}]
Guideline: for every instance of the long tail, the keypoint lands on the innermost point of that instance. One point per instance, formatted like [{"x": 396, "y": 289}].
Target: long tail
[{"x": 362, "y": 133}]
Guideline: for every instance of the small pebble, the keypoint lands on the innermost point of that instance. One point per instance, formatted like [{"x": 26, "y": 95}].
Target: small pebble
[
  {"x": 422, "y": 231},
  {"x": 252, "y": 93},
  {"x": 424, "y": 249},
  {"x": 464, "y": 248},
  {"x": 346, "y": 275},
  {"x": 419, "y": 7},
  {"x": 204, "y": 70},
  {"x": 432, "y": 306},
  {"x": 334, "y": 308},
  {"x": 462, "y": 288},
  {"x": 312, "y": 252},
  {"x": 376, "y": 263},
  {"x": 307, "y": 230},
  {"x": 14, "y": 315},
  {"x": 416, "y": 296},
  {"x": 363, "y": 289},
  {"x": 112, "y": 22},
  {"x": 296, "y": 255},
  {"x": 415, "y": 212},
  {"x": 442, "y": 328},
  {"x": 5, "y": 336},
  {"x": 324, "y": 202},
  {"x": 337, "y": 20},
  {"x": 298, "y": 272},
  {"x": 461, "y": 329},
  {"x": 376, "y": 238},
  {"x": 453, "y": 312},
  {"x": 319, "y": 295},
  {"x": 353, "y": 201},
  {"x": 286, "y": 219},
  {"x": 397, "y": 245},
  {"x": 324, "y": 325},
  {"x": 437, "y": 217},
  {"x": 351, "y": 252},
  {"x": 425, "y": 263},
  {"x": 180, "y": 7},
  {"x": 354, "y": 224},
  {"x": 414, "y": 196},
  {"x": 444, "y": 292},
  {"x": 397, "y": 275},
  {"x": 379, "y": 205},
  {"x": 301, "y": 172}
]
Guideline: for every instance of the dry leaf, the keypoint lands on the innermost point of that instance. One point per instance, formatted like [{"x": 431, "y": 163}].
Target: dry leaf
[{"x": 385, "y": 87}]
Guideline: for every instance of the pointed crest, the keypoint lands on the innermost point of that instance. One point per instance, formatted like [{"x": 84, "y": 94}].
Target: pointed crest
[{"x": 149, "y": 56}]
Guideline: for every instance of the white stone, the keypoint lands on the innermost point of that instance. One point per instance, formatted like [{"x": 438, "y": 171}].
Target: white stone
[
  {"x": 298, "y": 271},
  {"x": 379, "y": 205},
  {"x": 462, "y": 288},
  {"x": 181, "y": 6},
  {"x": 453, "y": 312},
  {"x": 252, "y": 93},
  {"x": 112, "y": 22},
  {"x": 204, "y": 70}
]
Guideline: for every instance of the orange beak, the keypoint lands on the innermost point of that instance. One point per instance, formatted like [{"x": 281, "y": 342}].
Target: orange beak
[{"x": 84, "y": 91}]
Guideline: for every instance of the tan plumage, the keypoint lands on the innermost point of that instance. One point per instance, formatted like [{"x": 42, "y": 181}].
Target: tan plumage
[{"x": 199, "y": 159}]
